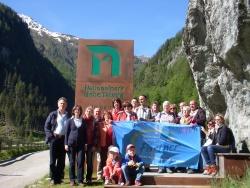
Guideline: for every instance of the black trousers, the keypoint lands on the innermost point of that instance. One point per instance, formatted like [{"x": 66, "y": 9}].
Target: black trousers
[
  {"x": 57, "y": 159},
  {"x": 89, "y": 161},
  {"x": 103, "y": 155},
  {"x": 76, "y": 154}
]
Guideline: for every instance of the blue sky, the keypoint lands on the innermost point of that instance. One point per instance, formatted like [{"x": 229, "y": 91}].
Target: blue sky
[{"x": 148, "y": 22}]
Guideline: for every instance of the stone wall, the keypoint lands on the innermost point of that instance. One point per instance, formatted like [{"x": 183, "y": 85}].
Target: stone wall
[{"x": 217, "y": 43}]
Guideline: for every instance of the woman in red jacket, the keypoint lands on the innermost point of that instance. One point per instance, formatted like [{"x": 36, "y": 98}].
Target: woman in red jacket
[
  {"x": 105, "y": 137},
  {"x": 117, "y": 108},
  {"x": 127, "y": 114}
]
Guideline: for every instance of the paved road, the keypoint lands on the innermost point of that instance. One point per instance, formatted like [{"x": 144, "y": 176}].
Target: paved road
[{"x": 24, "y": 170}]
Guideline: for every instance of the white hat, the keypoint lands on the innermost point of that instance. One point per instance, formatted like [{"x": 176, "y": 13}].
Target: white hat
[
  {"x": 130, "y": 146},
  {"x": 114, "y": 149}
]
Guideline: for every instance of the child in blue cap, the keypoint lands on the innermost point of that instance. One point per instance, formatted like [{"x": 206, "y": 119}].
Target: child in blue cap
[{"x": 132, "y": 167}]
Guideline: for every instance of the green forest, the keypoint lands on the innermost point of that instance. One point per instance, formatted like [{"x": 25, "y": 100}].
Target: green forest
[
  {"x": 29, "y": 83},
  {"x": 167, "y": 76}
]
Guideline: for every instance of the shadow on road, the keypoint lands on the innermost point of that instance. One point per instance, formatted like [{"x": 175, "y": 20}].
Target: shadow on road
[
  {"x": 10, "y": 175},
  {"x": 11, "y": 161}
]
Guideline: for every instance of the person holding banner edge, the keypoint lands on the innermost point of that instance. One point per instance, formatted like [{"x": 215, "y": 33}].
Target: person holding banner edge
[
  {"x": 165, "y": 116},
  {"x": 198, "y": 117},
  {"x": 143, "y": 111},
  {"x": 127, "y": 114}
]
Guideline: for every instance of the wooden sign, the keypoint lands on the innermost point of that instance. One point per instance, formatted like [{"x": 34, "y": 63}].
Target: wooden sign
[{"x": 104, "y": 72}]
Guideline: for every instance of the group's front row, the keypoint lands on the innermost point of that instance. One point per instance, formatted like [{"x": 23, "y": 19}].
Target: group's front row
[{"x": 129, "y": 169}]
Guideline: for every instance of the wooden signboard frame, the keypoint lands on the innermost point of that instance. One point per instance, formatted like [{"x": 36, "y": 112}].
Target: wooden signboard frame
[{"x": 104, "y": 72}]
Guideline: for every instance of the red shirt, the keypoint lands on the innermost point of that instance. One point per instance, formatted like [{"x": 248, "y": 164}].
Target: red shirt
[
  {"x": 106, "y": 135},
  {"x": 115, "y": 113},
  {"x": 90, "y": 129},
  {"x": 123, "y": 116}
]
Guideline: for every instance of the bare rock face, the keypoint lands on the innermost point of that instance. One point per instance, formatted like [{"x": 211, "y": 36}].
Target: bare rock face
[{"x": 217, "y": 43}]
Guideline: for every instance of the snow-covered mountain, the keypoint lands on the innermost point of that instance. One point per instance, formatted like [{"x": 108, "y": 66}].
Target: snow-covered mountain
[
  {"x": 33, "y": 25},
  {"x": 60, "y": 49}
]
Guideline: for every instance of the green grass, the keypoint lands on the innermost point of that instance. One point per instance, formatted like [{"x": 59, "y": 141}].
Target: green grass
[
  {"x": 230, "y": 182},
  {"x": 45, "y": 182},
  {"x": 11, "y": 153}
]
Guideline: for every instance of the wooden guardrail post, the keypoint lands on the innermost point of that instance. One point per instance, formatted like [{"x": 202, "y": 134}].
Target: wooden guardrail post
[{"x": 233, "y": 164}]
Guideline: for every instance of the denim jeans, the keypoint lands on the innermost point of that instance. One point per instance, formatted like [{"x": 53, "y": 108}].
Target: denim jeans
[
  {"x": 208, "y": 153},
  {"x": 132, "y": 173}
]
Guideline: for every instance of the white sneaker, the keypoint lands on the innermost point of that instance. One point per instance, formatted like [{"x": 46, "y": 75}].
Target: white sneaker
[
  {"x": 107, "y": 182},
  {"x": 122, "y": 183},
  {"x": 99, "y": 178}
]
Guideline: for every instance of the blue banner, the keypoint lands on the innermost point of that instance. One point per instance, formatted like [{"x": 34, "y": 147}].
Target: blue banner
[{"x": 160, "y": 144}]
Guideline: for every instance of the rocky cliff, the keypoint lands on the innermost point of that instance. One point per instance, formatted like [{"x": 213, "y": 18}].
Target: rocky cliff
[{"x": 217, "y": 43}]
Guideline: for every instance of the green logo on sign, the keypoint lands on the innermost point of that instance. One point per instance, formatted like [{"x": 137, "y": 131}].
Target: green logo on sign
[{"x": 109, "y": 52}]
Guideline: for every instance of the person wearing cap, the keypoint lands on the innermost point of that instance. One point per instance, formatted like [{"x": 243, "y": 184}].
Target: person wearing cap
[
  {"x": 112, "y": 171},
  {"x": 132, "y": 167}
]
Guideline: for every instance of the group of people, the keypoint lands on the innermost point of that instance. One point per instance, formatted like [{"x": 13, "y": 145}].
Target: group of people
[{"x": 82, "y": 134}]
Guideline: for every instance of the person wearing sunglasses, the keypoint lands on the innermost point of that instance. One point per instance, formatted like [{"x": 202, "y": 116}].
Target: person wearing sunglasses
[
  {"x": 127, "y": 114},
  {"x": 221, "y": 143}
]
